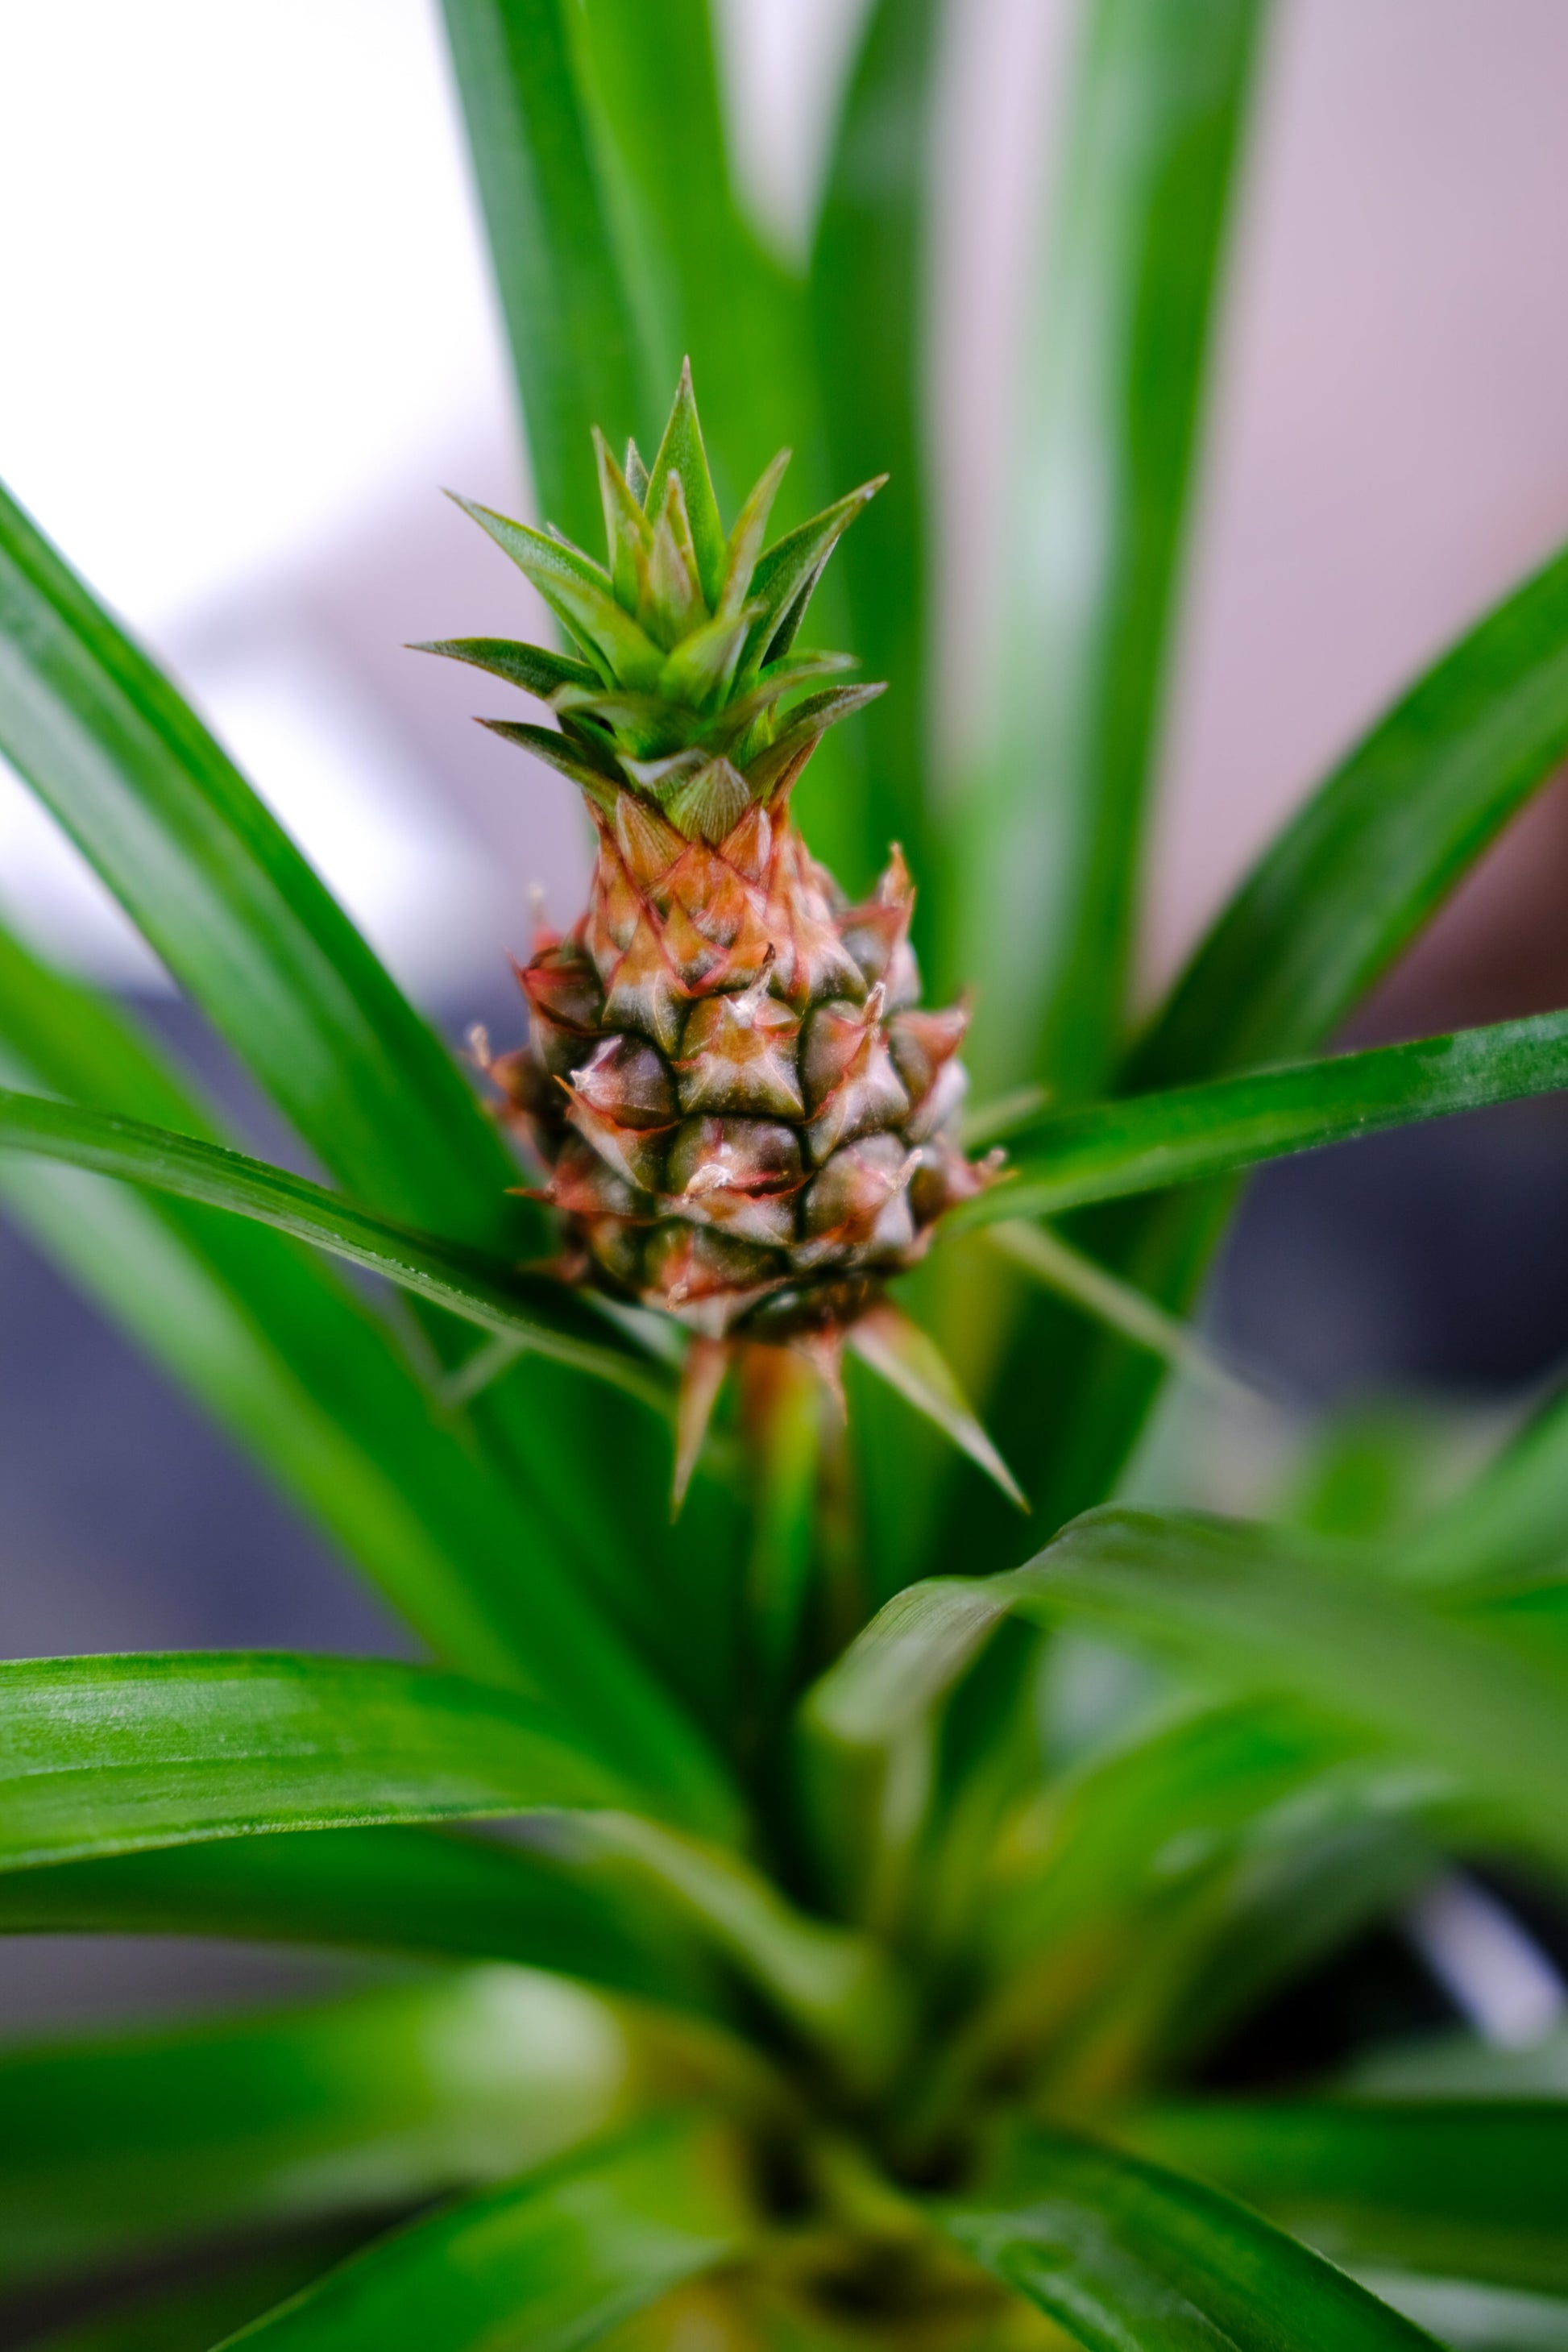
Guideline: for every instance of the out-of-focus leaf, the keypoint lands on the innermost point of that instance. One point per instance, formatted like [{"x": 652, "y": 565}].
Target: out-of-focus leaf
[
  {"x": 1145, "y": 1142},
  {"x": 709, "y": 290},
  {"x": 1376, "y": 849},
  {"x": 106, "y": 1755},
  {"x": 1238, "y": 1605},
  {"x": 544, "y": 1316},
  {"x": 1065, "y": 1270},
  {"x": 231, "y": 907},
  {"x": 547, "y": 1901},
  {"x": 579, "y": 342},
  {"x": 550, "y": 2263},
  {"x": 869, "y": 277},
  {"x": 264, "y": 1335},
  {"x": 1130, "y": 2258},
  {"x": 193, "y": 2317},
  {"x": 241, "y": 920},
  {"x": 1095, "y": 506},
  {"x": 1476, "y": 2189},
  {"x": 355, "y": 2105},
  {"x": 1507, "y": 1526},
  {"x": 1325, "y": 911},
  {"x": 1473, "y": 2318}
]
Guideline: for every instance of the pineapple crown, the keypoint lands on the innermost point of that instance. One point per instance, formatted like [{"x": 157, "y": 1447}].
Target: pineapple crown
[{"x": 687, "y": 638}]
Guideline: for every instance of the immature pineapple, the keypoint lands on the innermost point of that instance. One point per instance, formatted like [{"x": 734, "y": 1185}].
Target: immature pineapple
[{"x": 745, "y": 1120}]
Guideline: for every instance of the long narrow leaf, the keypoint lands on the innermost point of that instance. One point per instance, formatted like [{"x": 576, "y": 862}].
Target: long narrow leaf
[
  {"x": 108, "y": 1755},
  {"x": 548, "y": 1901},
  {"x": 1125, "y": 2255},
  {"x": 552, "y": 2264},
  {"x": 540, "y": 1314},
  {"x": 356, "y": 2105},
  {"x": 1095, "y": 511},
  {"x": 228, "y": 903},
  {"x": 1324, "y": 912},
  {"x": 265, "y": 1335},
  {"x": 1478, "y": 2189},
  {"x": 1239, "y": 1606},
  {"x": 711, "y": 293},
  {"x": 869, "y": 279},
  {"x": 1376, "y": 849},
  {"x": 1145, "y": 1142},
  {"x": 579, "y": 345}
]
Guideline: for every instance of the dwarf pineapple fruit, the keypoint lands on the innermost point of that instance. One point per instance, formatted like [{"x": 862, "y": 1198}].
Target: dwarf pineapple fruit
[{"x": 746, "y": 1120}]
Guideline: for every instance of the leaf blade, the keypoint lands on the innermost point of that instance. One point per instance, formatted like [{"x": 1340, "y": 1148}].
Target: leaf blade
[
  {"x": 553, "y": 2262},
  {"x": 1475, "y": 2188},
  {"x": 1145, "y": 1142},
  {"x": 342, "y": 2108},
  {"x": 1096, "y": 518},
  {"x": 1123, "y": 2254}
]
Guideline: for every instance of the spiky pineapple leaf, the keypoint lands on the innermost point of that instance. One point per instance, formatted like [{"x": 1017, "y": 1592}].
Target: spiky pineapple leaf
[
  {"x": 565, "y": 754},
  {"x": 1470, "y": 2188},
  {"x": 580, "y": 595},
  {"x": 130, "y": 2142},
  {"x": 681, "y": 454},
  {"x": 1144, "y": 1143},
  {"x": 1123, "y": 2254},
  {"x": 745, "y": 541},
  {"x": 787, "y": 573},
  {"x": 628, "y": 539},
  {"x": 533, "y": 667},
  {"x": 909, "y": 1360},
  {"x": 553, "y": 2264},
  {"x": 1042, "y": 1253},
  {"x": 426, "y": 1891}
]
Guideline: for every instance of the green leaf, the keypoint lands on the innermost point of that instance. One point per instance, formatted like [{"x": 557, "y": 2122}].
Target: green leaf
[
  {"x": 113, "y": 1754},
  {"x": 533, "y": 668},
  {"x": 193, "y": 2317},
  {"x": 242, "y": 921},
  {"x": 579, "y": 595},
  {"x": 787, "y": 574},
  {"x": 561, "y": 751},
  {"x": 550, "y": 2263},
  {"x": 1321, "y": 914},
  {"x": 231, "y": 907},
  {"x": 1057, "y": 1266},
  {"x": 1095, "y": 504},
  {"x": 356, "y": 2105},
  {"x": 680, "y": 452},
  {"x": 548, "y": 1901},
  {"x": 544, "y": 1316},
  {"x": 1475, "y": 2189},
  {"x": 1377, "y": 848},
  {"x": 869, "y": 276},
  {"x": 579, "y": 344},
  {"x": 909, "y": 1360},
  {"x": 1129, "y": 2258},
  {"x": 708, "y": 289},
  {"x": 265, "y": 1337},
  {"x": 1239, "y": 1606},
  {"x": 1145, "y": 1142}
]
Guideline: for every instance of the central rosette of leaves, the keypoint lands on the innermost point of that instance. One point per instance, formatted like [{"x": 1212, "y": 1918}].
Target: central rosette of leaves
[{"x": 742, "y": 1114}]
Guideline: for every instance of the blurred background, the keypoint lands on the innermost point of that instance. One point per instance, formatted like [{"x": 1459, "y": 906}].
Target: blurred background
[{"x": 249, "y": 336}]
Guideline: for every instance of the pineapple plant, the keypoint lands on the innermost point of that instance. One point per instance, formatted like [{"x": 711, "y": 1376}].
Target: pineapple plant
[
  {"x": 746, "y": 1118},
  {"x": 830, "y": 1920}
]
